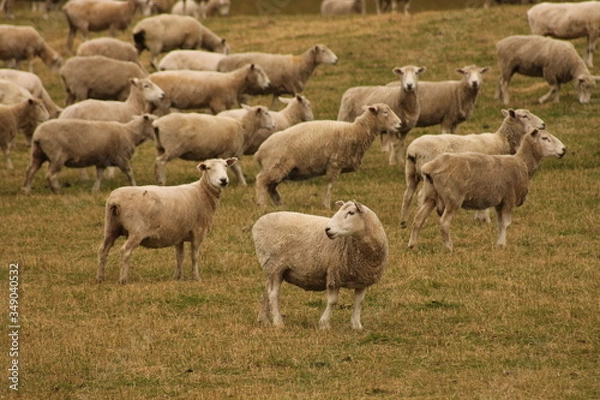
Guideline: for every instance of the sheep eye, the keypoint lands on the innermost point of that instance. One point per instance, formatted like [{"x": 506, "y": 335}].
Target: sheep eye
[{"x": 350, "y": 213}]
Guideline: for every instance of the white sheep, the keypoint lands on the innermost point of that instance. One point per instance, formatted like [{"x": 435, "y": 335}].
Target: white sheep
[
  {"x": 164, "y": 216},
  {"x": 209, "y": 8},
  {"x": 480, "y": 181},
  {"x": 342, "y": 7},
  {"x": 488, "y": 3},
  {"x": 165, "y": 32},
  {"x": 218, "y": 91},
  {"x": 109, "y": 47},
  {"x": 403, "y": 100},
  {"x": 159, "y": 7},
  {"x": 555, "y": 60},
  {"x": 449, "y": 103},
  {"x": 288, "y": 73},
  {"x": 186, "y": 7},
  {"x": 506, "y": 140},
  {"x": 33, "y": 84},
  {"x": 77, "y": 143},
  {"x": 98, "y": 15},
  {"x": 349, "y": 250},
  {"x": 298, "y": 109},
  {"x": 98, "y": 77},
  {"x": 197, "y": 60},
  {"x": 193, "y": 136},
  {"x": 568, "y": 21},
  {"x": 382, "y": 6},
  {"x": 317, "y": 148},
  {"x": 13, "y": 117},
  {"x": 24, "y": 43}
]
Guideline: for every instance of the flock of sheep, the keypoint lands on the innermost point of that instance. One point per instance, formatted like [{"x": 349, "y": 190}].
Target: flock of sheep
[{"x": 350, "y": 250}]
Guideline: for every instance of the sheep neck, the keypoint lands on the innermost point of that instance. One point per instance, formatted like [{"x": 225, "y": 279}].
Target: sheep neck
[
  {"x": 529, "y": 154},
  {"x": 136, "y": 99},
  {"x": 308, "y": 63},
  {"x": 511, "y": 134},
  {"x": 211, "y": 197}
]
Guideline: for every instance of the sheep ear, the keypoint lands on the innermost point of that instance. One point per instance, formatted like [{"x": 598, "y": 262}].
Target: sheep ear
[
  {"x": 284, "y": 100},
  {"x": 252, "y": 67},
  {"x": 230, "y": 161},
  {"x": 534, "y": 132},
  {"x": 299, "y": 98},
  {"x": 201, "y": 167},
  {"x": 373, "y": 109},
  {"x": 484, "y": 70},
  {"x": 245, "y": 106},
  {"x": 460, "y": 71},
  {"x": 339, "y": 203},
  {"x": 421, "y": 70},
  {"x": 506, "y": 113},
  {"x": 398, "y": 71},
  {"x": 223, "y": 41},
  {"x": 359, "y": 207}
]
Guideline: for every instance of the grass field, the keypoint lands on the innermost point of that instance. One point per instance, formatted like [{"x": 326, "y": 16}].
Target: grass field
[{"x": 477, "y": 323}]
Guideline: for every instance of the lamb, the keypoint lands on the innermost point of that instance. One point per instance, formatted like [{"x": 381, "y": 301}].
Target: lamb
[
  {"x": 16, "y": 116},
  {"x": 98, "y": 15},
  {"x": 197, "y": 60},
  {"x": 109, "y": 47},
  {"x": 98, "y": 77},
  {"x": 349, "y": 250},
  {"x": 383, "y": 5},
  {"x": 156, "y": 217},
  {"x": 479, "y": 181},
  {"x": 210, "y": 8},
  {"x": 317, "y": 148},
  {"x": 288, "y": 73},
  {"x": 76, "y": 143},
  {"x": 568, "y": 21},
  {"x": 449, "y": 103},
  {"x": 403, "y": 101},
  {"x": 342, "y": 7},
  {"x": 506, "y": 140},
  {"x": 217, "y": 91},
  {"x": 25, "y": 43},
  {"x": 298, "y": 109},
  {"x": 33, "y": 84},
  {"x": 192, "y": 136},
  {"x": 533, "y": 55},
  {"x": 165, "y": 32}
]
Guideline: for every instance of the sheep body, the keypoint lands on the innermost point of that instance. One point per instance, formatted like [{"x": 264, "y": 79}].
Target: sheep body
[
  {"x": 109, "y": 47},
  {"x": 480, "y": 181},
  {"x": 211, "y": 8},
  {"x": 197, "y": 60},
  {"x": 24, "y": 43},
  {"x": 349, "y": 250},
  {"x": 163, "y": 216},
  {"x": 186, "y": 7},
  {"x": 33, "y": 84},
  {"x": 342, "y": 7}
]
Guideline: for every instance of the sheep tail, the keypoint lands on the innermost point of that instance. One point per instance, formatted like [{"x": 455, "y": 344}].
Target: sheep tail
[
  {"x": 429, "y": 178},
  {"x": 114, "y": 209},
  {"x": 140, "y": 40}
]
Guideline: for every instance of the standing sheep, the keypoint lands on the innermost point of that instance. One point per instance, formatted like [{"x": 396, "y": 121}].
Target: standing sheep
[
  {"x": 315, "y": 253},
  {"x": 33, "y": 84},
  {"x": 403, "y": 101},
  {"x": 342, "y": 7},
  {"x": 192, "y": 136},
  {"x": 197, "y": 60},
  {"x": 164, "y": 216},
  {"x": 77, "y": 143},
  {"x": 210, "y": 8},
  {"x": 480, "y": 181},
  {"x": 449, "y": 103},
  {"x": 109, "y": 47},
  {"x": 186, "y": 7},
  {"x": 317, "y": 148},
  {"x": 555, "y": 60},
  {"x": 21, "y": 43}
]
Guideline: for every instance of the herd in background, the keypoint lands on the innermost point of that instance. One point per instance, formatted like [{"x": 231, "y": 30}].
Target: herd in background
[{"x": 119, "y": 105}]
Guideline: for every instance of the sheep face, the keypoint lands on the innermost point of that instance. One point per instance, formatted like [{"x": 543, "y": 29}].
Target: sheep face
[
  {"x": 472, "y": 76},
  {"x": 222, "y": 47},
  {"x": 223, "y": 7},
  {"x": 409, "y": 76},
  {"x": 387, "y": 120},
  {"x": 257, "y": 77},
  {"x": 151, "y": 92},
  {"x": 548, "y": 145},
  {"x": 306, "y": 112},
  {"x": 347, "y": 221},
  {"x": 324, "y": 56},
  {"x": 40, "y": 112},
  {"x": 215, "y": 171},
  {"x": 523, "y": 116},
  {"x": 584, "y": 84}
]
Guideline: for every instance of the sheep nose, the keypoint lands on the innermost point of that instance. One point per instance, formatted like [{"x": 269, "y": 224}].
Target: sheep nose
[
  {"x": 223, "y": 181},
  {"x": 409, "y": 86},
  {"x": 543, "y": 125},
  {"x": 563, "y": 151}
]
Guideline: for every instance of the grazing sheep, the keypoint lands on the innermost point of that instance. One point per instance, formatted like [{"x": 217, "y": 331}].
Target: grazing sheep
[
  {"x": 403, "y": 101},
  {"x": 88, "y": 16},
  {"x": 555, "y": 60},
  {"x": 33, "y": 84},
  {"x": 506, "y": 140},
  {"x": 480, "y": 181},
  {"x": 16, "y": 116},
  {"x": 186, "y": 7},
  {"x": 197, "y": 60},
  {"x": 13, "y": 93},
  {"x": 568, "y": 21},
  {"x": 298, "y": 109},
  {"x": 383, "y": 5},
  {"x": 25, "y": 43},
  {"x": 449, "y": 103},
  {"x": 164, "y": 216},
  {"x": 288, "y": 73},
  {"x": 317, "y": 148},
  {"x": 349, "y": 250},
  {"x": 165, "y": 32},
  {"x": 109, "y": 47},
  {"x": 342, "y": 7},
  {"x": 213, "y": 7},
  {"x": 77, "y": 143},
  {"x": 192, "y": 136},
  {"x": 98, "y": 77}
]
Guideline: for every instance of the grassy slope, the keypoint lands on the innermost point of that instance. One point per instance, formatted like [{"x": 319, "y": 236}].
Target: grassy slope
[{"x": 477, "y": 323}]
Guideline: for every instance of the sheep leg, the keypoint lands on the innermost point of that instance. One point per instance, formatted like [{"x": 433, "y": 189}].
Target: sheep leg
[
  {"x": 332, "y": 299},
  {"x": 420, "y": 218},
  {"x": 36, "y": 162},
  {"x": 237, "y": 170},
  {"x": 179, "y": 254},
  {"x": 99, "y": 175},
  {"x": 263, "y": 314},
  {"x": 265, "y": 189},
  {"x": 110, "y": 236},
  {"x": 551, "y": 95},
  {"x": 502, "y": 89},
  {"x": 132, "y": 242},
  {"x": 482, "y": 216},
  {"x": 51, "y": 176},
  {"x": 331, "y": 176},
  {"x": 9, "y": 164},
  {"x": 504, "y": 220},
  {"x": 70, "y": 38},
  {"x": 159, "y": 171},
  {"x": 412, "y": 181},
  {"x": 128, "y": 171},
  {"x": 591, "y": 47},
  {"x": 195, "y": 256},
  {"x": 445, "y": 221},
  {"x": 273, "y": 286},
  {"x": 359, "y": 295}
]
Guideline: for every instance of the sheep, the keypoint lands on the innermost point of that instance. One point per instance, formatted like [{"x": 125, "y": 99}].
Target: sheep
[
  {"x": 186, "y": 7},
  {"x": 488, "y": 3},
  {"x": 317, "y": 148},
  {"x": 449, "y": 103},
  {"x": 288, "y": 73},
  {"x": 16, "y": 116},
  {"x": 210, "y": 8},
  {"x": 98, "y": 77},
  {"x": 109, "y": 47},
  {"x": 164, "y": 216},
  {"x": 341, "y": 7},
  {"x": 298, "y": 109},
  {"x": 159, "y": 6},
  {"x": 480, "y": 181},
  {"x": 403, "y": 101},
  {"x": 197, "y": 60},
  {"x": 165, "y": 32},
  {"x": 98, "y": 15},
  {"x": 192, "y": 136},
  {"x": 77, "y": 143},
  {"x": 382, "y": 6},
  {"x": 568, "y": 21},
  {"x": 349, "y": 250},
  {"x": 218, "y": 91},
  {"x": 506, "y": 140},
  {"x": 25, "y": 43},
  {"x": 555, "y": 60},
  {"x": 33, "y": 84}
]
